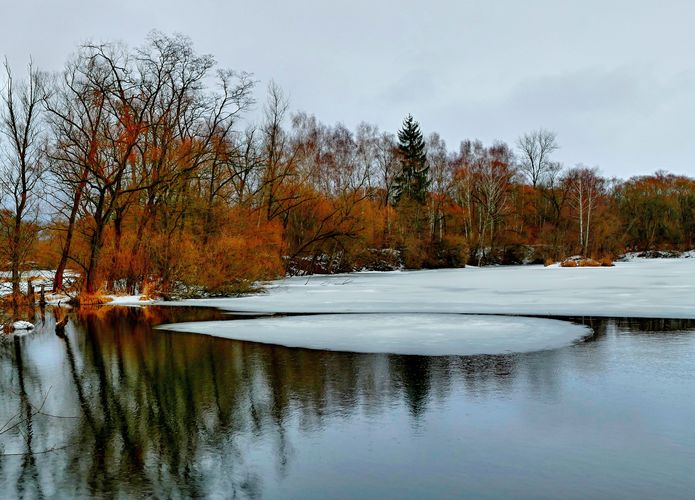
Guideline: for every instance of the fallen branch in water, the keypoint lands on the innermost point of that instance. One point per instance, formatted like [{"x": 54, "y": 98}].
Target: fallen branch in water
[
  {"x": 49, "y": 450},
  {"x": 7, "y": 427}
]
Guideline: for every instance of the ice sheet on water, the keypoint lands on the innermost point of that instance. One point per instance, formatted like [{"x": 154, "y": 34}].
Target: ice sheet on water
[{"x": 421, "y": 334}]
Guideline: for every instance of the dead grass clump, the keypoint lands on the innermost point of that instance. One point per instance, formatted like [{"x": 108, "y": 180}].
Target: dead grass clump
[
  {"x": 606, "y": 262},
  {"x": 91, "y": 300},
  {"x": 581, "y": 262},
  {"x": 548, "y": 262}
]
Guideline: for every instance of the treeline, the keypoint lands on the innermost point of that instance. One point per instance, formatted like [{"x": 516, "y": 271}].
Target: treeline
[{"x": 141, "y": 170}]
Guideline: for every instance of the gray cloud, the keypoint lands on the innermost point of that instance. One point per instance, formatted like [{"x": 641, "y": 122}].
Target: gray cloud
[{"x": 614, "y": 79}]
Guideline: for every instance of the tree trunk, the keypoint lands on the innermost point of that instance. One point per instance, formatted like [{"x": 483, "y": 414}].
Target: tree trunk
[
  {"x": 60, "y": 270},
  {"x": 15, "y": 256},
  {"x": 588, "y": 222},
  {"x": 95, "y": 248}
]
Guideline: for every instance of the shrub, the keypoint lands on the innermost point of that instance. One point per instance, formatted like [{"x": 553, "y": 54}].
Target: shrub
[
  {"x": 606, "y": 262},
  {"x": 450, "y": 251},
  {"x": 413, "y": 252},
  {"x": 518, "y": 254},
  {"x": 374, "y": 259},
  {"x": 96, "y": 299},
  {"x": 578, "y": 261}
]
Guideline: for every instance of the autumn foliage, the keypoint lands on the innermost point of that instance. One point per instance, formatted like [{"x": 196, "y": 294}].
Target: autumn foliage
[{"x": 155, "y": 185}]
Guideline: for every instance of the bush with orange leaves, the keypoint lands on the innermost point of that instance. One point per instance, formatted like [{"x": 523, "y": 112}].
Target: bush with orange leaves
[
  {"x": 240, "y": 252},
  {"x": 234, "y": 260}
]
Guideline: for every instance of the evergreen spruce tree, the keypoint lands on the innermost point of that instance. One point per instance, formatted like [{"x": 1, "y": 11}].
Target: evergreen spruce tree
[{"x": 413, "y": 180}]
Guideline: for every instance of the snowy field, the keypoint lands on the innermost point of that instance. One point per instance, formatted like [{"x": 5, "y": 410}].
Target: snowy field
[{"x": 659, "y": 288}]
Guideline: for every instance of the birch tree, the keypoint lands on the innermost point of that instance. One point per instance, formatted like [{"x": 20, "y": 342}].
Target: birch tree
[{"x": 585, "y": 188}]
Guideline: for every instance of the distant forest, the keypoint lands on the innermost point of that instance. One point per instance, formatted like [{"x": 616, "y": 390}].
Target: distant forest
[{"x": 139, "y": 169}]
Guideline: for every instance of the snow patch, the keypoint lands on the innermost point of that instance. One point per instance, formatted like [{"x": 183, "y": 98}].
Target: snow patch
[
  {"x": 127, "y": 300},
  {"x": 657, "y": 254},
  {"x": 22, "y": 325}
]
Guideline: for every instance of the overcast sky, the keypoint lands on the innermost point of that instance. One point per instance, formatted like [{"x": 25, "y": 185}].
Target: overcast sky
[{"x": 615, "y": 79}]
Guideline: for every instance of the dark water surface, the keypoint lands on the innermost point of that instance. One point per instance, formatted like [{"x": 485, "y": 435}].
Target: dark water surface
[{"x": 117, "y": 409}]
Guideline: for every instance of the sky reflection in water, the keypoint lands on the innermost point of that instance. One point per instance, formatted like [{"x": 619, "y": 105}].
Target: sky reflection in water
[{"x": 145, "y": 412}]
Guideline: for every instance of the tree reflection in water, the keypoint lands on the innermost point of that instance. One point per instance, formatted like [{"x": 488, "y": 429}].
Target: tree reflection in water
[{"x": 145, "y": 412}]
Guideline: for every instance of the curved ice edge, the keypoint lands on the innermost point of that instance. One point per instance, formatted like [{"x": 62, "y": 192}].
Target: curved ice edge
[{"x": 408, "y": 334}]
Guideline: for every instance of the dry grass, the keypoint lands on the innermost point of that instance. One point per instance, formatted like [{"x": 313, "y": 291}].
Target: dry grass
[
  {"x": 149, "y": 291},
  {"x": 587, "y": 262},
  {"x": 580, "y": 263},
  {"x": 91, "y": 300},
  {"x": 606, "y": 262}
]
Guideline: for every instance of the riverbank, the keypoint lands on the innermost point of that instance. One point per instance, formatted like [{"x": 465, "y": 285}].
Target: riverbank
[{"x": 635, "y": 287}]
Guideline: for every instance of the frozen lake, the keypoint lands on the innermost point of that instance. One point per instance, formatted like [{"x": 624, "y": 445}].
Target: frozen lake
[{"x": 644, "y": 288}]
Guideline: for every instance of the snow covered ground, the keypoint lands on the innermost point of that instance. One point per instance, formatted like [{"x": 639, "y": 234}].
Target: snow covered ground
[
  {"x": 45, "y": 278},
  {"x": 39, "y": 277},
  {"x": 128, "y": 300},
  {"x": 662, "y": 288},
  {"x": 422, "y": 334}
]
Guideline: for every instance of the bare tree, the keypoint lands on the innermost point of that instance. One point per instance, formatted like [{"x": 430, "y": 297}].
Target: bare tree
[
  {"x": 535, "y": 149},
  {"x": 366, "y": 138},
  {"x": 22, "y": 166},
  {"x": 387, "y": 162},
  {"x": 442, "y": 175},
  {"x": 190, "y": 136},
  {"x": 335, "y": 174},
  {"x": 493, "y": 172},
  {"x": 463, "y": 183},
  {"x": 278, "y": 155},
  {"x": 585, "y": 187},
  {"x": 134, "y": 127},
  {"x": 98, "y": 117},
  {"x": 76, "y": 111},
  {"x": 481, "y": 186}
]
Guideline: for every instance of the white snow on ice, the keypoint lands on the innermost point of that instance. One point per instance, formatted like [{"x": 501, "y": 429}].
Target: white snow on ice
[
  {"x": 22, "y": 325},
  {"x": 423, "y": 334},
  {"x": 661, "y": 288}
]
